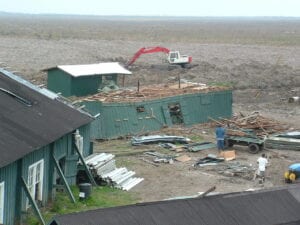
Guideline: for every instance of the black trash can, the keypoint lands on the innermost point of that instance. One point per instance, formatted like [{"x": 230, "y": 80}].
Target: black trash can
[{"x": 85, "y": 190}]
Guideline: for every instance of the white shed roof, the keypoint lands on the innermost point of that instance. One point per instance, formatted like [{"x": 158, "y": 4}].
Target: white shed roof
[{"x": 94, "y": 69}]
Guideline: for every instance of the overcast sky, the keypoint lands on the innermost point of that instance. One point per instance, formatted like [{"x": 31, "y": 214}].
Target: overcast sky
[{"x": 157, "y": 7}]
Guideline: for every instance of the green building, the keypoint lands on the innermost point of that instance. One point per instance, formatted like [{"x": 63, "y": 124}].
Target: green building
[
  {"x": 81, "y": 80},
  {"x": 132, "y": 117},
  {"x": 39, "y": 150},
  {"x": 124, "y": 116}
]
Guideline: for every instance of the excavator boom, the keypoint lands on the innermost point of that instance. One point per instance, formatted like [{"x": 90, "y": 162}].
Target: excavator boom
[{"x": 146, "y": 51}]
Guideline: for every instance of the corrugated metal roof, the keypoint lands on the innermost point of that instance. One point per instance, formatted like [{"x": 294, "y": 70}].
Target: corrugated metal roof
[
  {"x": 267, "y": 207},
  {"x": 94, "y": 69},
  {"x": 29, "y": 119}
]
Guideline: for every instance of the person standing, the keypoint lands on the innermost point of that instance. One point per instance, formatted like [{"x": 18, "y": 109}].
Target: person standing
[
  {"x": 262, "y": 164},
  {"x": 220, "y": 135}
]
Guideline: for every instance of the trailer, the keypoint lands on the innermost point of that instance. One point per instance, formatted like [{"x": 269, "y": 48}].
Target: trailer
[{"x": 255, "y": 144}]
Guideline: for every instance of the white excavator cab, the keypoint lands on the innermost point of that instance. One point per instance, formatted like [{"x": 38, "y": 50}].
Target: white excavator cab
[{"x": 174, "y": 57}]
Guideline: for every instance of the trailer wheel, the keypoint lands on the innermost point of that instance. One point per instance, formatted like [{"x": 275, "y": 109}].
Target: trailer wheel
[
  {"x": 253, "y": 148},
  {"x": 228, "y": 143}
]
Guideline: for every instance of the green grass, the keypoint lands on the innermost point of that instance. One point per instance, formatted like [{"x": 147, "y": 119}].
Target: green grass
[
  {"x": 196, "y": 138},
  {"x": 101, "y": 197}
]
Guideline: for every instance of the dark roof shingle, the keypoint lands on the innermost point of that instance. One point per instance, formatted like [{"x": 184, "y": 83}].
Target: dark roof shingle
[
  {"x": 270, "y": 207},
  {"x": 25, "y": 128}
]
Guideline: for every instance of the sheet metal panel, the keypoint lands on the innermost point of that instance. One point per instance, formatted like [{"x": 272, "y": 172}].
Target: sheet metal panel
[{"x": 8, "y": 174}]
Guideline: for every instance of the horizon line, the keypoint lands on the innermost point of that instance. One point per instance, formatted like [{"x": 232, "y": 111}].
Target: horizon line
[{"x": 137, "y": 15}]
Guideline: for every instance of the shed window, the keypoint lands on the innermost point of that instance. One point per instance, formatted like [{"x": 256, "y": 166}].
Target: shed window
[
  {"x": 140, "y": 108},
  {"x": 35, "y": 180},
  {"x": 175, "y": 113},
  {"x": 1, "y": 202}
]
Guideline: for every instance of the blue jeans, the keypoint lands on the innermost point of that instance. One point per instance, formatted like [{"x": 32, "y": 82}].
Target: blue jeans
[{"x": 220, "y": 144}]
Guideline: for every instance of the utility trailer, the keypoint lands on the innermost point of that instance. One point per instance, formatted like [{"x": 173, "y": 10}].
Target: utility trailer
[{"x": 255, "y": 144}]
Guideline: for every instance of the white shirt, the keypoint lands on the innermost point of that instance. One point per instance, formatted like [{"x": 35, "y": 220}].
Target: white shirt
[{"x": 262, "y": 162}]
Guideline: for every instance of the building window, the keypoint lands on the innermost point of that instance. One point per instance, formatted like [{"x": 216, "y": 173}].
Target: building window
[
  {"x": 35, "y": 180},
  {"x": 1, "y": 202},
  {"x": 140, "y": 109},
  {"x": 175, "y": 113}
]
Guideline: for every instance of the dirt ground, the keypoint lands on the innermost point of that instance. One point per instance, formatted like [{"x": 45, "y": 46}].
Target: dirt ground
[{"x": 259, "y": 58}]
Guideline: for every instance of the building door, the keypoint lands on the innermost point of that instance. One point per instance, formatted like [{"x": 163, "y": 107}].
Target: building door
[
  {"x": 35, "y": 180},
  {"x": 1, "y": 202}
]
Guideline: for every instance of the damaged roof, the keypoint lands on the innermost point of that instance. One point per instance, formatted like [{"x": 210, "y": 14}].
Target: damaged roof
[
  {"x": 276, "y": 206},
  {"x": 93, "y": 69},
  {"x": 30, "y": 119}
]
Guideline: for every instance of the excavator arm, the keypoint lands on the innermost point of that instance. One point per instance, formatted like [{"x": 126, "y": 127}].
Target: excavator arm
[{"x": 146, "y": 51}]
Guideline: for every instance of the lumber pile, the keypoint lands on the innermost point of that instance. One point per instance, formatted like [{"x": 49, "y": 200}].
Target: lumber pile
[
  {"x": 260, "y": 126},
  {"x": 148, "y": 93}
]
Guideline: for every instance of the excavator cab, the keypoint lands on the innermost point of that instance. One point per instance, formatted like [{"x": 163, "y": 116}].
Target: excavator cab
[{"x": 174, "y": 57}]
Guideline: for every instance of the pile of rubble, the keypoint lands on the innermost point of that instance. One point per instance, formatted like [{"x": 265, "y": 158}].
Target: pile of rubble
[
  {"x": 150, "y": 92},
  {"x": 260, "y": 126}
]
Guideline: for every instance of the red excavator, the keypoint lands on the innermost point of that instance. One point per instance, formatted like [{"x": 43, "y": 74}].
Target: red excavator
[{"x": 173, "y": 57}]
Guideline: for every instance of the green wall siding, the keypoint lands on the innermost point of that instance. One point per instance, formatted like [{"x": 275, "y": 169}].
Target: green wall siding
[
  {"x": 8, "y": 175},
  {"x": 120, "y": 119},
  {"x": 59, "y": 81},
  {"x": 96, "y": 127},
  {"x": 85, "y": 85}
]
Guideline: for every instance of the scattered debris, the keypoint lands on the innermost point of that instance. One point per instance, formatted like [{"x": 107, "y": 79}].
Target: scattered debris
[
  {"x": 183, "y": 158},
  {"x": 158, "y": 139},
  {"x": 195, "y": 147},
  {"x": 209, "y": 160},
  {"x": 150, "y": 92},
  {"x": 207, "y": 192},
  {"x": 103, "y": 168},
  {"x": 172, "y": 147},
  {"x": 159, "y": 157},
  {"x": 148, "y": 161},
  {"x": 236, "y": 169},
  {"x": 228, "y": 155}
]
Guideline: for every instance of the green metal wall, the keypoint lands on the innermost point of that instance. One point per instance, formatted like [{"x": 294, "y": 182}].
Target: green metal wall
[
  {"x": 8, "y": 174},
  {"x": 121, "y": 119},
  {"x": 96, "y": 127},
  {"x": 85, "y": 85},
  {"x": 59, "y": 81},
  {"x": 11, "y": 174},
  {"x": 67, "y": 85}
]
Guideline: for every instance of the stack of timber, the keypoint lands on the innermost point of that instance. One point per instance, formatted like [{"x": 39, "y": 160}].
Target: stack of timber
[
  {"x": 104, "y": 170},
  {"x": 258, "y": 125}
]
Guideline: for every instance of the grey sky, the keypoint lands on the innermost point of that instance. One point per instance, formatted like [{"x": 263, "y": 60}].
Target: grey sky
[{"x": 157, "y": 7}]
